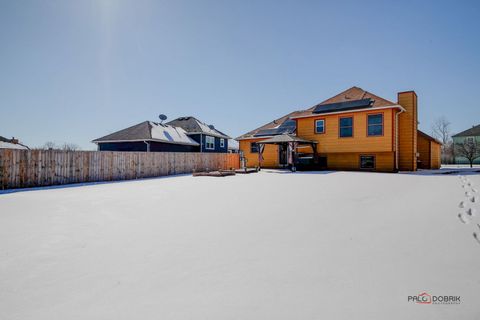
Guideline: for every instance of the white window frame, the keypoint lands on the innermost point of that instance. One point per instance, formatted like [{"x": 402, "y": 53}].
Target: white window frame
[
  {"x": 470, "y": 140},
  {"x": 222, "y": 143},
  {"x": 323, "y": 126},
  {"x": 209, "y": 140}
]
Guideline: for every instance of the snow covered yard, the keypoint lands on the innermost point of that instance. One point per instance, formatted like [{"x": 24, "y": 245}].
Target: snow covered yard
[{"x": 329, "y": 245}]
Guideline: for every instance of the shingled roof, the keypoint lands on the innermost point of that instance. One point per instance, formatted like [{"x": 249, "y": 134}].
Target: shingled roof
[
  {"x": 351, "y": 94},
  {"x": 428, "y": 137},
  {"x": 194, "y": 126},
  {"x": 150, "y": 131},
  {"x": 271, "y": 125},
  {"x": 472, "y": 132}
]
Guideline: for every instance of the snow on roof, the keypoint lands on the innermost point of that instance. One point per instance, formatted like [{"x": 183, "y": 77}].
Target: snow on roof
[
  {"x": 167, "y": 133},
  {"x": 194, "y": 126},
  {"x": 8, "y": 145}
]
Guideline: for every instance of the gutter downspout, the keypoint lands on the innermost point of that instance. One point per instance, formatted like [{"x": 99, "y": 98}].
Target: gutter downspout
[
  {"x": 396, "y": 138},
  {"x": 148, "y": 145}
]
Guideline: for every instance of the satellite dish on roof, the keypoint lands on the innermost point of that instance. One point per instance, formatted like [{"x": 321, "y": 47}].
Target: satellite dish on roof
[{"x": 162, "y": 117}]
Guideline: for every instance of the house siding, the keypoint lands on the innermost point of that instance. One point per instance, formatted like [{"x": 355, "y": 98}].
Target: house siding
[
  {"x": 424, "y": 151},
  {"x": 270, "y": 154},
  {"x": 435, "y": 152},
  {"x": 343, "y": 153},
  {"x": 201, "y": 139}
]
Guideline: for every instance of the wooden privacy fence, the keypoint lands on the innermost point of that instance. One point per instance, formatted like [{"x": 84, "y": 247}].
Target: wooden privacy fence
[{"x": 34, "y": 168}]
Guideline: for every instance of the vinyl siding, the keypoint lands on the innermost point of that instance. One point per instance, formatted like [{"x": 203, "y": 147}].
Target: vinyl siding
[
  {"x": 384, "y": 161},
  {"x": 435, "y": 151},
  {"x": 424, "y": 150},
  {"x": 330, "y": 141},
  {"x": 344, "y": 153}
]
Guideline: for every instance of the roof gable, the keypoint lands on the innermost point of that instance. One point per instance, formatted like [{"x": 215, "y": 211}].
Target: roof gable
[
  {"x": 193, "y": 125},
  {"x": 428, "y": 137},
  {"x": 472, "y": 132},
  {"x": 140, "y": 131},
  {"x": 150, "y": 131},
  {"x": 356, "y": 93}
]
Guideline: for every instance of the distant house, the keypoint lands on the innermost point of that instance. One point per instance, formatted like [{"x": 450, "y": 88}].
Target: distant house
[
  {"x": 11, "y": 144},
  {"x": 148, "y": 136},
  {"x": 209, "y": 138},
  {"x": 472, "y": 134}
]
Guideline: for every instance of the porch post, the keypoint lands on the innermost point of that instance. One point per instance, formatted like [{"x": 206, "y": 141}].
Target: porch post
[
  {"x": 315, "y": 153},
  {"x": 261, "y": 146}
]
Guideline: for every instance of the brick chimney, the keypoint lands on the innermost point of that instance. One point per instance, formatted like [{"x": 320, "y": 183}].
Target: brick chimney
[{"x": 407, "y": 131}]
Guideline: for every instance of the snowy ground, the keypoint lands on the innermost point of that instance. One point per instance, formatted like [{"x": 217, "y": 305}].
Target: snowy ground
[{"x": 343, "y": 245}]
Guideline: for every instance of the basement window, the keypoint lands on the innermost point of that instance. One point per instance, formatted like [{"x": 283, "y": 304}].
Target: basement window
[
  {"x": 375, "y": 124},
  {"x": 209, "y": 142},
  {"x": 367, "y": 162}
]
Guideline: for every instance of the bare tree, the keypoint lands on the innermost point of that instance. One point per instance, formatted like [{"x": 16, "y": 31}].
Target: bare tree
[
  {"x": 70, "y": 147},
  {"x": 441, "y": 130},
  {"x": 469, "y": 149},
  {"x": 49, "y": 145}
]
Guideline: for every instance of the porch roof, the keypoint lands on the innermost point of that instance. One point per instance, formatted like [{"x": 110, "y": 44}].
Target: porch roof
[{"x": 285, "y": 138}]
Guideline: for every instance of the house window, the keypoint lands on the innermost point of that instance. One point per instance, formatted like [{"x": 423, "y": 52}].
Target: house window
[
  {"x": 375, "y": 125},
  {"x": 222, "y": 143},
  {"x": 470, "y": 140},
  {"x": 346, "y": 127},
  {"x": 253, "y": 147},
  {"x": 209, "y": 142},
  {"x": 320, "y": 126},
  {"x": 367, "y": 162}
]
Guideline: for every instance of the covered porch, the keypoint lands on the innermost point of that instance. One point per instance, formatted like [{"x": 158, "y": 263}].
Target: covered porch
[{"x": 288, "y": 149}]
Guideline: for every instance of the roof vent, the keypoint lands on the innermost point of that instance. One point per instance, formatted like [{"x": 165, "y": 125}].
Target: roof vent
[{"x": 211, "y": 126}]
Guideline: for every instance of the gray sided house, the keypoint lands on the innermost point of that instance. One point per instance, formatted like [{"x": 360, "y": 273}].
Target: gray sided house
[
  {"x": 209, "y": 138},
  {"x": 148, "y": 136},
  {"x": 472, "y": 134}
]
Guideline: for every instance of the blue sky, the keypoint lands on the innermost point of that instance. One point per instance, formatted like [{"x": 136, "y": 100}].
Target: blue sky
[{"x": 72, "y": 71}]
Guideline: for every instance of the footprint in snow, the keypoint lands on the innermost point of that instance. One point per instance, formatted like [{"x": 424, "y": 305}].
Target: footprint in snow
[
  {"x": 471, "y": 212},
  {"x": 476, "y": 237},
  {"x": 474, "y": 199},
  {"x": 463, "y": 218},
  {"x": 474, "y": 190},
  {"x": 468, "y": 194},
  {"x": 462, "y": 204}
]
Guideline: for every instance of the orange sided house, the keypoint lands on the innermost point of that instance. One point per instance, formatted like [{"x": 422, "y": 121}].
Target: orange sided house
[{"x": 354, "y": 130}]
